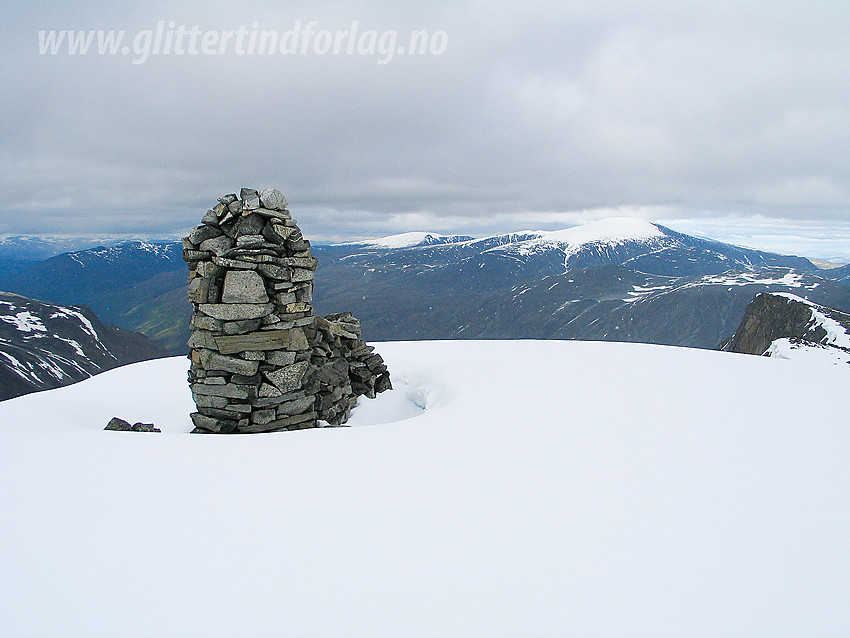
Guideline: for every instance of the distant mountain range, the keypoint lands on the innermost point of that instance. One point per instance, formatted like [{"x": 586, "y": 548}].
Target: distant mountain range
[
  {"x": 45, "y": 345},
  {"x": 614, "y": 280},
  {"x": 135, "y": 285}
]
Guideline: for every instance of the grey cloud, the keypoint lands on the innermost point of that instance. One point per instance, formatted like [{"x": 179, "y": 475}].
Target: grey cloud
[{"x": 535, "y": 112}]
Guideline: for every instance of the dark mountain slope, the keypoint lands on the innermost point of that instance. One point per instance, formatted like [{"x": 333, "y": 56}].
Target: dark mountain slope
[{"x": 45, "y": 345}]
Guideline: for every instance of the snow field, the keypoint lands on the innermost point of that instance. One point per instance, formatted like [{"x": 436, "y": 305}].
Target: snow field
[{"x": 546, "y": 489}]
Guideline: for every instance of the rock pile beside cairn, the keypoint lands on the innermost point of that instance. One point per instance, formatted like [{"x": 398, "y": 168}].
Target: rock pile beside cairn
[{"x": 261, "y": 360}]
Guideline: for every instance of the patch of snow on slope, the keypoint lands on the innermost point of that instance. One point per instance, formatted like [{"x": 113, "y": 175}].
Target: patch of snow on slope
[
  {"x": 20, "y": 369},
  {"x": 808, "y": 353},
  {"x": 24, "y": 321},
  {"x": 86, "y": 325},
  {"x": 545, "y": 485},
  {"x": 791, "y": 279},
  {"x": 640, "y": 292},
  {"x": 74, "y": 344}
]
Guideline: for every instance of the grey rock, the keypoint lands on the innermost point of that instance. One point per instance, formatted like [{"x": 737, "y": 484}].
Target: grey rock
[
  {"x": 297, "y": 422},
  {"x": 145, "y": 427},
  {"x": 118, "y": 424},
  {"x": 250, "y": 198},
  {"x": 249, "y": 241},
  {"x": 279, "y": 358},
  {"x": 273, "y": 321},
  {"x": 301, "y": 262},
  {"x": 288, "y": 378},
  {"x": 207, "y": 269},
  {"x": 200, "y": 322},
  {"x": 284, "y": 298},
  {"x": 250, "y": 225},
  {"x": 265, "y": 402},
  {"x": 267, "y": 390},
  {"x": 295, "y": 419},
  {"x": 212, "y": 424},
  {"x": 195, "y": 255},
  {"x": 216, "y": 361},
  {"x": 271, "y": 236},
  {"x": 242, "y": 408},
  {"x": 228, "y": 390},
  {"x": 263, "y": 340},
  {"x": 202, "y": 290},
  {"x": 243, "y": 287},
  {"x": 217, "y": 245},
  {"x": 201, "y": 339},
  {"x": 236, "y": 264},
  {"x": 273, "y": 199},
  {"x": 298, "y": 245},
  {"x": 210, "y": 401},
  {"x": 256, "y": 255},
  {"x": 272, "y": 271},
  {"x": 301, "y": 274},
  {"x": 298, "y": 406},
  {"x": 304, "y": 295},
  {"x": 296, "y": 307},
  {"x": 210, "y": 218},
  {"x": 241, "y": 327},
  {"x": 236, "y": 311},
  {"x": 383, "y": 382},
  {"x": 228, "y": 199},
  {"x": 280, "y": 215},
  {"x": 203, "y": 233},
  {"x": 261, "y": 417}
]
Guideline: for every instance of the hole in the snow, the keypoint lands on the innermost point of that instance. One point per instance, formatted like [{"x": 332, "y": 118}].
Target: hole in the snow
[{"x": 405, "y": 401}]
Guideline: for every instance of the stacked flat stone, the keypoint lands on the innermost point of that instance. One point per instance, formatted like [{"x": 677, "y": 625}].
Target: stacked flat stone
[{"x": 261, "y": 361}]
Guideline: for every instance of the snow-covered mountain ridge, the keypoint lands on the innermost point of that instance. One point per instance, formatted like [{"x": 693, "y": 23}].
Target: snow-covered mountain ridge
[
  {"x": 618, "y": 279},
  {"x": 675, "y": 486},
  {"x": 612, "y": 230}
]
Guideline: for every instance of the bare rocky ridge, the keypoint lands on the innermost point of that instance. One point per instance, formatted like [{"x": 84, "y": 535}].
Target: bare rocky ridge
[
  {"x": 771, "y": 317},
  {"x": 261, "y": 360}
]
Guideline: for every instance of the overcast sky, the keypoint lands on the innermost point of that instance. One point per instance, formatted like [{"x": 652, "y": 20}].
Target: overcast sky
[{"x": 523, "y": 115}]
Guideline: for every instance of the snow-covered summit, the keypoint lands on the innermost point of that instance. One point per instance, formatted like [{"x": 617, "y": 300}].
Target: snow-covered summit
[
  {"x": 613, "y": 230},
  {"x": 614, "y": 238}
]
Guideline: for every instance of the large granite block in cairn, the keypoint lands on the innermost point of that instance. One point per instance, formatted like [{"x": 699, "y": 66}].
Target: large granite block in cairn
[{"x": 261, "y": 361}]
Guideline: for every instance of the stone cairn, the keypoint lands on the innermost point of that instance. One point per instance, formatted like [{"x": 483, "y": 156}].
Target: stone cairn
[{"x": 261, "y": 360}]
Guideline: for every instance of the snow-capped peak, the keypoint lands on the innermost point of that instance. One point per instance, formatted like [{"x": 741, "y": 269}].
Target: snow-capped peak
[
  {"x": 606, "y": 233},
  {"x": 613, "y": 230}
]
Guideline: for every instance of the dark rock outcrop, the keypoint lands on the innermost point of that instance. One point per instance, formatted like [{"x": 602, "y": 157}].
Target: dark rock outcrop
[
  {"x": 261, "y": 360},
  {"x": 770, "y": 317}
]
